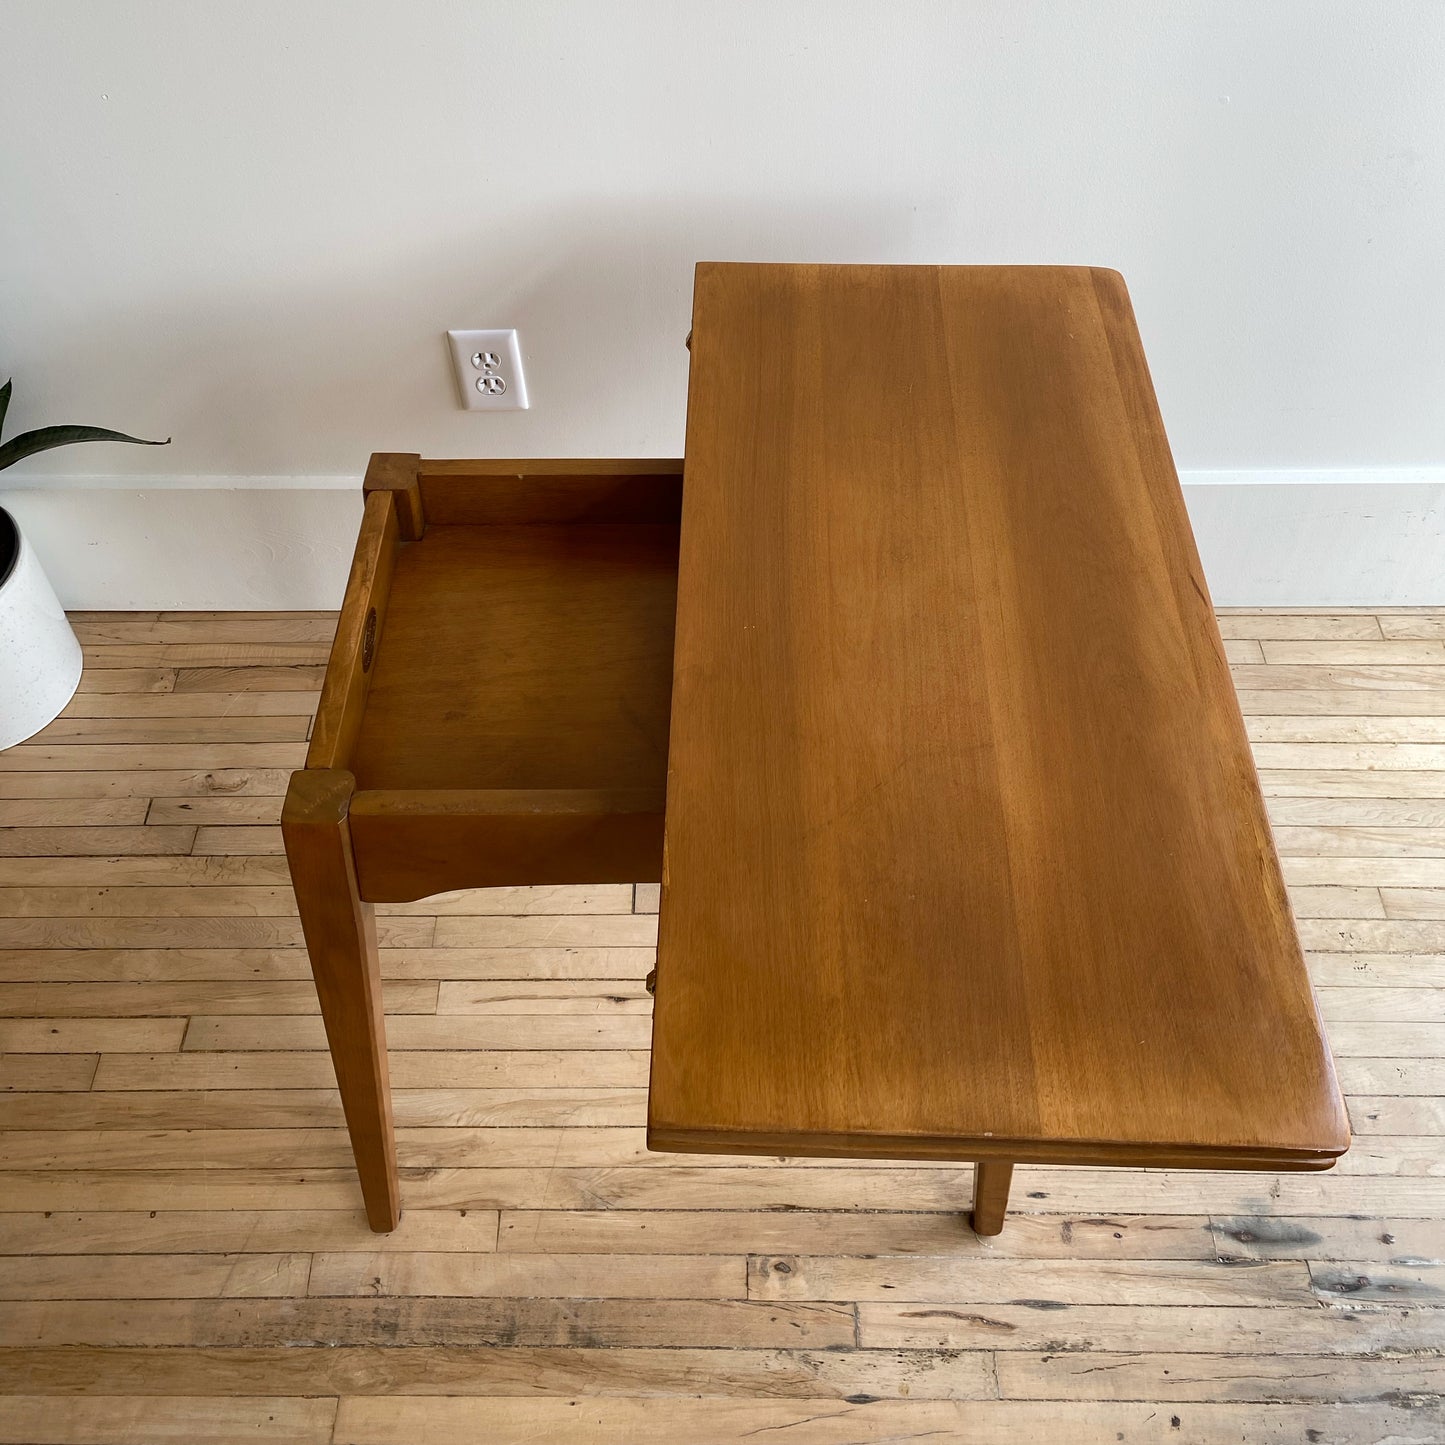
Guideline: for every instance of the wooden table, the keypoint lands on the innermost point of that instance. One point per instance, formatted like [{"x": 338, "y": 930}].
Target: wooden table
[{"x": 965, "y": 853}]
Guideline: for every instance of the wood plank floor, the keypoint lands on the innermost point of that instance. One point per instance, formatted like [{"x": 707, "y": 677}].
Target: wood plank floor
[{"x": 182, "y": 1251}]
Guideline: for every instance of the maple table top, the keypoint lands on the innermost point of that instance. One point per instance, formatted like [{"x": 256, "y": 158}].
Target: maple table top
[{"x": 965, "y": 852}]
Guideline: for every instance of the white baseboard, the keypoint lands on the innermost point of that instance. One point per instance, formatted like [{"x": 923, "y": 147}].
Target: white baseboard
[
  {"x": 174, "y": 549},
  {"x": 1268, "y": 538},
  {"x": 1328, "y": 543}
]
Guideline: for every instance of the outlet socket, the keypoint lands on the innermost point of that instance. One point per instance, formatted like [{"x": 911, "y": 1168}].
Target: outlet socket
[{"x": 488, "y": 367}]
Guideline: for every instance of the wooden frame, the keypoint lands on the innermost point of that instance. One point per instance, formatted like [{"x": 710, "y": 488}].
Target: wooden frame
[
  {"x": 409, "y": 797},
  {"x": 926, "y": 898}
]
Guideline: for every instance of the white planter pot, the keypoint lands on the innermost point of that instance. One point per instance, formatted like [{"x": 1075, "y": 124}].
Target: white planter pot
[{"x": 39, "y": 656}]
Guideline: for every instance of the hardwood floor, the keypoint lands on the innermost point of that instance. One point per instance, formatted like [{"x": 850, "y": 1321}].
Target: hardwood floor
[{"x": 184, "y": 1252}]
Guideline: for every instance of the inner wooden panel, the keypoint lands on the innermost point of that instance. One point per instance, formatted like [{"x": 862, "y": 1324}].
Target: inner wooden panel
[
  {"x": 525, "y": 657},
  {"x": 498, "y": 493}
]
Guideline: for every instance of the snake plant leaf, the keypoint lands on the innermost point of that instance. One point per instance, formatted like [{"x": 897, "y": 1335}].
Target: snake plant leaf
[
  {"x": 46, "y": 437},
  {"x": 4, "y": 403}
]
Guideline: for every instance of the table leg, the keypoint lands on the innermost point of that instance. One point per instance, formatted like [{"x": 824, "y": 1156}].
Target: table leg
[
  {"x": 990, "y": 1196},
  {"x": 340, "y": 934}
]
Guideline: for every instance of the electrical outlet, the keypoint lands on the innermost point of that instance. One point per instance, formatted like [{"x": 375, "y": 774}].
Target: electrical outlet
[{"x": 488, "y": 365}]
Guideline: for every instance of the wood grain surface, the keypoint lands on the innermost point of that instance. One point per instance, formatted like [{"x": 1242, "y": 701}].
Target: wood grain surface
[
  {"x": 524, "y": 656},
  {"x": 168, "y": 1193},
  {"x": 966, "y": 856}
]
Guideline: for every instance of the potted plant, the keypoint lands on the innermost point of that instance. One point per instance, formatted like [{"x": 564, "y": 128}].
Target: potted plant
[{"x": 39, "y": 656}]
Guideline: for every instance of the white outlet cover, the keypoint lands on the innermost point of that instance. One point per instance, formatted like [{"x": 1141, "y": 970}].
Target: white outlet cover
[{"x": 488, "y": 366}]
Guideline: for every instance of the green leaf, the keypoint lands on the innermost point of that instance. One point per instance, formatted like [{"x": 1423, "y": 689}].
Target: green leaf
[
  {"x": 46, "y": 437},
  {"x": 4, "y": 403}
]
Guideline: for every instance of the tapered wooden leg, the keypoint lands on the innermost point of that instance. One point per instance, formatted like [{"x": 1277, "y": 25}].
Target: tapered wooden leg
[
  {"x": 990, "y": 1196},
  {"x": 341, "y": 939}
]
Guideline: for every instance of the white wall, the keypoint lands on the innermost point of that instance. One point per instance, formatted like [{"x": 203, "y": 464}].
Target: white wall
[{"x": 247, "y": 225}]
